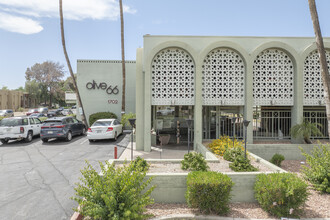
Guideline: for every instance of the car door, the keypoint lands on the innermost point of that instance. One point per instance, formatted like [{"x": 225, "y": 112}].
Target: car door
[
  {"x": 72, "y": 126},
  {"x": 78, "y": 125},
  {"x": 33, "y": 126},
  {"x": 38, "y": 125}
]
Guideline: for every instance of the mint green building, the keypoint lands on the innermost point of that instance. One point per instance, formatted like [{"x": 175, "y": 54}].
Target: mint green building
[{"x": 273, "y": 82}]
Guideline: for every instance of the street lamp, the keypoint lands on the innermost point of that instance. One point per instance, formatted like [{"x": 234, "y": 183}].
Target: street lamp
[
  {"x": 132, "y": 123},
  {"x": 189, "y": 124},
  {"x": 246, "y": 124},
  {"x": 233, "y": 119}
]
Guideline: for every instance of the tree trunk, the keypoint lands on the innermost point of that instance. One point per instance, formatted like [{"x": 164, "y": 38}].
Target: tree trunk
[
  {"x": 83, "y": 117},
  {"x": 50, "y": 97},
  {"x": 323, "y": 61},
  {"x": 122, "y": 56}
]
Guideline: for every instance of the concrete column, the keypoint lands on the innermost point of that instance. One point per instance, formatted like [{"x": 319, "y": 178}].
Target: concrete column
[
  {"x": 198, "y": 117},
  {"x": 249, "y": 101},
  {"x": 297, "y": 110},
  {"x": 139, "y": 104},
  {"x": 147, "y": 105}
]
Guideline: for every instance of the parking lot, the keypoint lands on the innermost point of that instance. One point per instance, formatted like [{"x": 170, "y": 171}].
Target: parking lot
[{"x": 37, "y": 179}]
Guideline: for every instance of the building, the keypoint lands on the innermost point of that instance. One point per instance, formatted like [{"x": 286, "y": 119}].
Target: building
[
  {"x": 11, "y": 99},
  {"x": 273, "y": 82}
]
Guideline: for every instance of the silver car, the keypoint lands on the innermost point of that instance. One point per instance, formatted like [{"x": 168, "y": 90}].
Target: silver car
[
  {"x": 6, "y": 113},
  {"x": 104, "y": 129}
]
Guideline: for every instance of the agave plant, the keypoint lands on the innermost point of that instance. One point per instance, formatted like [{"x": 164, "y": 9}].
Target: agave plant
[{"x": 305, "y": 130}]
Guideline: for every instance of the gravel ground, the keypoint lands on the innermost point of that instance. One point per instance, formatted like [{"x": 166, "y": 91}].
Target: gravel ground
[{"x": 317, "y": 206}]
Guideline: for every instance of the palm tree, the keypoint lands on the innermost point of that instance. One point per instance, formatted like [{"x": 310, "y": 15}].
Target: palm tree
[
  {"x": 83, "y": 117},
  {"x": 323, "y": 61},
  {"x": 305, "y": 130},
  {"x": 122, "y": 56}
]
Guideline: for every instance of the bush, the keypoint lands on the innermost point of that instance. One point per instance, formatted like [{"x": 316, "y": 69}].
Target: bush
[
  {"x": 100, "y": 115},
  {"x": 140, "y": 162},
  {"x": 125, "y": 117},
  {"x": 242, "y": 164},
  {"x": 277, "y": 159},
  {"x": 319, "y": 172},
  {"x": 119, "y": 194},
  {"x": 209, "y": 191},
  {"x": 1, "y": 118},
  {"x": 281, "y": 194},
  {"x": 72, "y": 115},
  {"x": 220, "y": 146},
  {"x": 231, "y": 153},
  {"x": 20, "y": 109},
  {"x": 42, "y": 119},
  {"x": 194, "y": 161}
]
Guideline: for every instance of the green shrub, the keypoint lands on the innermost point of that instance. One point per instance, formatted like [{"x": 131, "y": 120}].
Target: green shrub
[
  {"x": 100, "y": 115},
  {"x": 194, "y": 161},
  {"x": 121, "y": 193},
  {"x": 72, "y": 115},
  {"x": 209, "y": 191},
  {"x": 281, "y": 194},
  {"x": 277, "y": 159},
  {"x": 42, "y": 119},
  {"x": 319, "y": 172},
  {"x": 140, "y": 162},
  {"x": 20, "y": 109},
  {"x": 1, "y": 118},
  {"x": 231, "y": 153},
  {"x": 242, "y": 164},
  {"x": 124, "y": 118}
]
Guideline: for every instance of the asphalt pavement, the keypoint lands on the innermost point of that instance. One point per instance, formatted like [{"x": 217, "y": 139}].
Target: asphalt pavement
[{"x": 37, "y": 179}]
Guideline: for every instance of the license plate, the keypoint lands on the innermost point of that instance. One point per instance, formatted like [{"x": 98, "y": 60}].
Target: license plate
[
  {"x": 98, "y": 131},
  {"x": 50, "y": 132}
]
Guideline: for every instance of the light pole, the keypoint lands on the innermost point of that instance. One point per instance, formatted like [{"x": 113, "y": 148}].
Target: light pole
[
  {"x": 233, "y": 119},
  {"x": 189, "y": 124},
  {"x": 132, "y": 122},
  {"x": 246, "y": 124}
]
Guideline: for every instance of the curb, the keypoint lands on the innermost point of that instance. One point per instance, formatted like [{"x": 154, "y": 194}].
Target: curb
[
  {"x": 76, "y": 216},
  {"x": 212, "y": 217}
]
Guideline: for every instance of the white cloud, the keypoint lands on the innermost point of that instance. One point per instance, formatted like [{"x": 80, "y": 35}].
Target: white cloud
[
  {"x": 20, "y": 25},
  {"x": 72, "y": 9}
]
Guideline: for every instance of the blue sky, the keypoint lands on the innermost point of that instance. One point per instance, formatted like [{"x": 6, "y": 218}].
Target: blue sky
[{"x": 30, "y": 29}]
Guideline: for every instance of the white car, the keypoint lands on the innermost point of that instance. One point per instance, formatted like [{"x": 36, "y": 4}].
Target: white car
[
  {"x": 104, "y": 129},
  {"x": 18, "y": 128}
]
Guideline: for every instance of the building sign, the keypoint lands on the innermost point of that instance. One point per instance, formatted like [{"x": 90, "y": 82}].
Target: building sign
[{"x": 108, "y": 89}]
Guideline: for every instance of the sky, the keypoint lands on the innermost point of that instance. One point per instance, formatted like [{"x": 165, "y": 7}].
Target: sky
[{"x": 30, "y": 29}]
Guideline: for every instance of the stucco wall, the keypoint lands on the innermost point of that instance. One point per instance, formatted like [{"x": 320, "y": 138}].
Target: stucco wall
[{"x": 109, "y": 72}]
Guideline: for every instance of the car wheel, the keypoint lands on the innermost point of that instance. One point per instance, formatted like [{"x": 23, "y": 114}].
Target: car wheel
[
  {"x": 115, "y": 136},
  {"x": 90, "y": 140},
  {"x": 83, "y": 131},
  {"x": 29, "y": 137},
  {"x": 4, "y": 141},
  {"x": 45, "y": 140},
  {"x": 68, "y": 136}
]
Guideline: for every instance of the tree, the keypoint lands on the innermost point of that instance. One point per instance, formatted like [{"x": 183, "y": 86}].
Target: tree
[
  {"x": 4, "y": 88},
  {"x": 323, "y": 61},
  {"x": 48, "y": 74},
  {"x": 20, "y": 89},
  {"x": 122, "y": 56},
  {"x": 305, "y": 130},
  {"x": 83, "y": 117},
  {"x": 34, "y": 90}
]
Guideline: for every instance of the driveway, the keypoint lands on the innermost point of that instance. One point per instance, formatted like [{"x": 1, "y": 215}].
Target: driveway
[{"x": 37, "y": 179}]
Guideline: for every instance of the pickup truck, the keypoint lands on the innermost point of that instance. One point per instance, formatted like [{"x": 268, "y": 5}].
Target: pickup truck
[{"x": 19, "y": 128}]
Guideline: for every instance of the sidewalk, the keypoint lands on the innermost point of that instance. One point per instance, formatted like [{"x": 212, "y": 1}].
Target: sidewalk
[{"x": 166, "y": 152}]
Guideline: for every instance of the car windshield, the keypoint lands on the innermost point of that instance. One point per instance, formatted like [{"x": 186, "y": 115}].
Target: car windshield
[
  {"x": 13, "y": 122},
  {"x": 52, "y": 122},
  {"x": 102, "y": 123}
]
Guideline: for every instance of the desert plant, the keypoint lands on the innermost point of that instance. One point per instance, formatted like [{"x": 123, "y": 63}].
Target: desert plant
[
  {"x": 139, "y": 161},
  {"x": 209, "y": 191},
  {"x": 277, "y": 159},
  {"x": 242, "y": 164},
  {"x": 318, "y": 172},
  {"x": 120, "y": 193},
  {"x": 72, "y": 115},
  {"x": 100, "y": 115},
  {"x": 194, "y": 161},
  {"x": 125, "y": 117},
  {"x": 281, "y": 194},
  {"x": 219, "y": 146},
  {"x": 231, "y": 153},
  {"x": 305, "y": 130}
]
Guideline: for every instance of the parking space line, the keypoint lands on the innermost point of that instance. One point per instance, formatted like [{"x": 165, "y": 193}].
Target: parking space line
[{"x": 84, "y": 141}]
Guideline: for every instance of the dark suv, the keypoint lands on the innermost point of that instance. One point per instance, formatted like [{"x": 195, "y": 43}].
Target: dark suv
[{"x": 61, "y": 127}]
